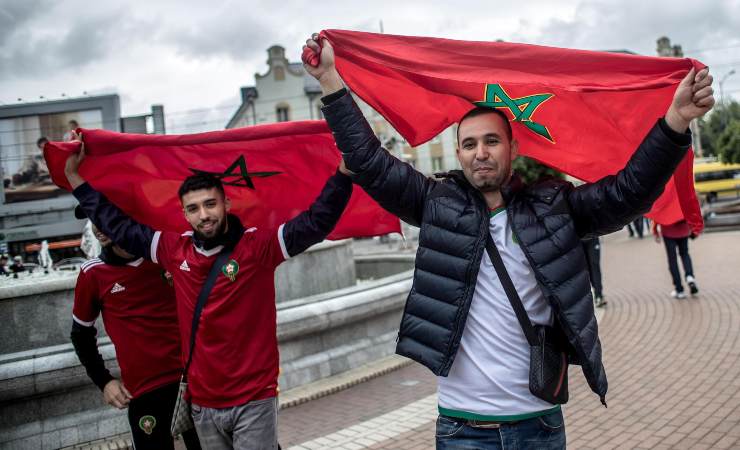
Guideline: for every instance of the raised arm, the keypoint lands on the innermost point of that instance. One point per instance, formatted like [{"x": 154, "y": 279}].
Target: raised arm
[
  {"x": 314, "y": 225},
  {"x": 610, "y": 203},
  {"x": 395, "y": 185},
  {"x": 127, "y": 233}
]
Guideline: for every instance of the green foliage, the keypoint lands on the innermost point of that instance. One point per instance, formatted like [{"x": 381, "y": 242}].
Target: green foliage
[
  {"x": 713, "y": 125},
  {"x": 728, "y": 143},
  {"x": 531, "y": 171}
]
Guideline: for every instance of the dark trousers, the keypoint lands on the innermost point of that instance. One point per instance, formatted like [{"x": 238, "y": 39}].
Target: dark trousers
[
  {"x": 639, "y": 227},
  {"x": 592, "y": 249},
  {"x": 150, "y": 416},
  {"x": 682, "y": 245}
]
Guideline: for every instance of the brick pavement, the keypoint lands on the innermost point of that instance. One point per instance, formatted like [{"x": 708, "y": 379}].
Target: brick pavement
[{"x": 673, "y": 366}]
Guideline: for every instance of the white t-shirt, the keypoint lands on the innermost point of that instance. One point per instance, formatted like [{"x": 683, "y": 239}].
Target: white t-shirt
[{"x": 489, "y": 379}]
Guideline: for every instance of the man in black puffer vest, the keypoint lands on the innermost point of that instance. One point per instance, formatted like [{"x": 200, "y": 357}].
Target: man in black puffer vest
[{"x": 458, "y": 320}]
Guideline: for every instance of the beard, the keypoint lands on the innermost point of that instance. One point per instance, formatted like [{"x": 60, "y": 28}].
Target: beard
[
  {"x": 491, "y": 182},
  {"x": 217, "y": 230}
]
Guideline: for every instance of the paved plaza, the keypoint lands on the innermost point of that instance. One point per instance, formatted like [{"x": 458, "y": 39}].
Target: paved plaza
[{"x": 673, "y": 367}]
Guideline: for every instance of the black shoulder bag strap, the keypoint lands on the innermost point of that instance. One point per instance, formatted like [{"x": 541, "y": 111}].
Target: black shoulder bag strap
[
  {"x": 548, "y": 365},
  {"x": 511, "y": 293},
  {"x": 202, "y": 297}
]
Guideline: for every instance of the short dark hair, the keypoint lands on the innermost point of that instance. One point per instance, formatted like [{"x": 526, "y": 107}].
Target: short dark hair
[
  {"x": 73, "y": 122},
  {"x": 482, "y": 110},
  {"x": 200, "y": 181},
  {"x": 41, "y": 141}
]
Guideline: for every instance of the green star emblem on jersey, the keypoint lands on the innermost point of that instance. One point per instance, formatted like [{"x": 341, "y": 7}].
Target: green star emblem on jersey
[
  {"x": 230, "y": 269},
  {"x": 147, "y": 424},
  {"x": 522, "y": 108}
]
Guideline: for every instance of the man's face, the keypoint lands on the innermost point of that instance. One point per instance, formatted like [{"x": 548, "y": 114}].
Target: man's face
[
  {"x": 485, "y": 151},
  {"x": 103, "y": 239},
  {"x": 205, "y": 210}
]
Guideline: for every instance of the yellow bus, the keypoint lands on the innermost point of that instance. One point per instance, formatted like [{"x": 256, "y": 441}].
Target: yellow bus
[{"x": 714, "y": 180}]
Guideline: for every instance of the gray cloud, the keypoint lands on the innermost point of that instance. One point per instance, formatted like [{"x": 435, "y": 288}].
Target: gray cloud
[
  {"x": 74, "y": 43},
  {"x": 637, "y": 24},
  {"x": 238, "y": 33},
  {"x": 14, "y": 15},
  {"x": 80, "y": 45}
]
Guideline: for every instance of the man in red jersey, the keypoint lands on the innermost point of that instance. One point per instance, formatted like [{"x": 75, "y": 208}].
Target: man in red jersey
[
  {"x": 137, "y": 305},
  {"x": 234, "y": 369}
]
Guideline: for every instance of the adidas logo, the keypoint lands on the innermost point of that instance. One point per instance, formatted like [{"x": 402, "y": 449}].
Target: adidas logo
[
  {"x": 117, "y": 288},
  {"x": 184, "y": 266}
]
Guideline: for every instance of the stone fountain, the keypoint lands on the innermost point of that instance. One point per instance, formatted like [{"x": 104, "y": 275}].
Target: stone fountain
[{"x": 336, "y": 311}]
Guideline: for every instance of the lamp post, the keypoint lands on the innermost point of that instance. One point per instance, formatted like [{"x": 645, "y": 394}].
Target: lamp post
[{"x": 722, "y": 96}]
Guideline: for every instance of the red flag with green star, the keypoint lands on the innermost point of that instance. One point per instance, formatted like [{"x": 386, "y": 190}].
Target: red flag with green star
[
  {"x": 581, "y": 112},
  {"x": 271, "y": 173}
]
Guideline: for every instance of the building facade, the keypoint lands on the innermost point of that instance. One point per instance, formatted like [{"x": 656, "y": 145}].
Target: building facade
[
  {"x": 32, "y": 208},
  {"x": 286, "y": 92}
]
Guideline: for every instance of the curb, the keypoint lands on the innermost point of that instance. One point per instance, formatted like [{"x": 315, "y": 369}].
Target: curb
[{"x": 342, "y": 381}]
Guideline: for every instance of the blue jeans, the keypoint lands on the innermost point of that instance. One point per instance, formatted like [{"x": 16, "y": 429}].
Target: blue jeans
[{"x": 540, "y": 433}]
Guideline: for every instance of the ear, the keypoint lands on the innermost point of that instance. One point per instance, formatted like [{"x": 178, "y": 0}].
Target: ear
[
  {"x": 227, "y": 204},
  {"x": 514, "y": 149}
]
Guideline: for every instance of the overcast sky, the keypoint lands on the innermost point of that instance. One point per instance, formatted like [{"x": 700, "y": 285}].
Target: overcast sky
[{"x": 192, "y": 56}]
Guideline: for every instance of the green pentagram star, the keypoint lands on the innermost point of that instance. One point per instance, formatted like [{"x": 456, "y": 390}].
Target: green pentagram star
[{"x": 521, "y": 108}]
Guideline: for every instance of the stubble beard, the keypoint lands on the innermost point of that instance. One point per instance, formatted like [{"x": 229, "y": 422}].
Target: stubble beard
[
  {"x": 218, "y": 230},
  {"x": 490, "y": 184}
]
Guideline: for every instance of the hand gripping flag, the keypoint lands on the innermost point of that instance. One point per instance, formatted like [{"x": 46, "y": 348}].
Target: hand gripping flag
[
  {"x": 581, "y": 112},
  {"x": 270, "y": 172}
]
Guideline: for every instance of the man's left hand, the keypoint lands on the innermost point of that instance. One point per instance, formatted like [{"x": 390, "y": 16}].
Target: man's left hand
[
  {"x": 694, "y": 97},
  {"x": 72, "y": 165}
]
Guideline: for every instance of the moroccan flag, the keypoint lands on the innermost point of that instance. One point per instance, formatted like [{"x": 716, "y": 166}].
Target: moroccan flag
[
  {"x": 581, "y": 112},
  {"x": 270, "y": 172}
]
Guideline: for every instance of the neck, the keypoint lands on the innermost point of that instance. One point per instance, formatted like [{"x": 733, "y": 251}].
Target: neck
[
  {"x": 494, "y": 199},
  {"x": 231, "y": 234}
]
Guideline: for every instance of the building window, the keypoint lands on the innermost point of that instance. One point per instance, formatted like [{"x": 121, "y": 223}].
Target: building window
[
  {"x": 283, "y": 113},
  {"x": 279, "y": 73},
  {"x": 437, "y": 165}
]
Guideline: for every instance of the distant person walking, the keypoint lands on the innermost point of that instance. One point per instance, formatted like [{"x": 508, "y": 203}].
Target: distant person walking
[
  {"x": 638, "y": 225},
  {"x": 592, "y": 249},
  {"x": 676, "y": 237}
]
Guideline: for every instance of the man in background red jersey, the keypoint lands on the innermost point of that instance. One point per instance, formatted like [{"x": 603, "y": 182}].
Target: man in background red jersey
[{"x": 137, "y": 305}]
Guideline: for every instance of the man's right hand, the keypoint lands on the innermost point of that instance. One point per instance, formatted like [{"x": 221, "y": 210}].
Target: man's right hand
[
  {"x": 72, "y": 166},
  {"x": 325, "y": 72},
  {"x": 115, "y": 394}
]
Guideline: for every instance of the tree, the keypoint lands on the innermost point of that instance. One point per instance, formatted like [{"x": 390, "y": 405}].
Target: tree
[
  {"x": 728, "y": 143},
  {"x": 714, "y": 125},
  {"x": 531, "y": 170}
]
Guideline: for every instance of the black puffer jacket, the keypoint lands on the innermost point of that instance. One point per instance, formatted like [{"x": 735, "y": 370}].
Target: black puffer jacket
[{"x": 549, "y": 219}]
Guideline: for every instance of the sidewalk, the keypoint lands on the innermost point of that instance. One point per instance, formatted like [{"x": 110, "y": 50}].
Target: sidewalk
[{"x": 673, "y": 366}]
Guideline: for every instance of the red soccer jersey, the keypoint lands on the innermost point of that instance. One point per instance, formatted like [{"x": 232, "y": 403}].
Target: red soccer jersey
[
  {"x": 236, "y": 355},
  {"x": 676, "y": 230},
  {"x": 138, "y": 308}
]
